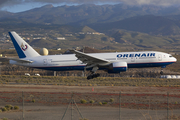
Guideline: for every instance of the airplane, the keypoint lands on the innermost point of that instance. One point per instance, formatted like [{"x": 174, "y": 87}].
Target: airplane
[{"x": 110, "y": 62}]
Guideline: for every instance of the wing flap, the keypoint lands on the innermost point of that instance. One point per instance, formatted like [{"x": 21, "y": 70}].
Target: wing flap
[{"x": 89, "y": 59}]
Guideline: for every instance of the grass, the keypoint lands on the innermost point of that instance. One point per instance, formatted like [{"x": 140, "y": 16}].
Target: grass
[{"x": 82, "y": 81}]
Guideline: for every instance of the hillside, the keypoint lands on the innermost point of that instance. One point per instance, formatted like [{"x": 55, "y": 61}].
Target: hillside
[
  {"x": 123, "y": 27},
  {"x": 141, "y": 39},
  {"x": 102, "y": 18},
  {"x": 155, "y": 25},
  {"x": 82, "y": 36},
  {"x": 87, "y": 13}
]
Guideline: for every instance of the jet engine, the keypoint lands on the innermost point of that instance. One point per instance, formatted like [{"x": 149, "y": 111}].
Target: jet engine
[{"x": 117, "y": 67}]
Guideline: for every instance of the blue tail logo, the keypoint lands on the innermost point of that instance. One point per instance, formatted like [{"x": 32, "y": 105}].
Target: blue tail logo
[{"x": 24, "y": 47}]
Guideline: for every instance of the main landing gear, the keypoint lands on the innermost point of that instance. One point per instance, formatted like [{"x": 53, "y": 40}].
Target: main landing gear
[{"x": 93, "y": 75}]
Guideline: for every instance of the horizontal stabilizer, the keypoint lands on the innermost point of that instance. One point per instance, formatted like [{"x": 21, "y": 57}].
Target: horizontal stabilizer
[{"x": 16, "y": 59}]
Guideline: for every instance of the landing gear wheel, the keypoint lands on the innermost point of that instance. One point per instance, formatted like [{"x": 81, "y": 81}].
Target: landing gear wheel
[
  {"x": 96, "y": 75},
  {"x": 93, "y": 76},
  {"x": 89, "y": 77}
]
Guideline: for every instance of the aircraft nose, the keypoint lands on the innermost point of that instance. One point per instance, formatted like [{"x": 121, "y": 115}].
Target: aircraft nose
[{"x": 174, "y": 59}]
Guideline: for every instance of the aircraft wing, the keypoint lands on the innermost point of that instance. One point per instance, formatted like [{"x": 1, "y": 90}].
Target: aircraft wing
[
  {"x": 16, "y": 59},
  {"x": 90, "y": 60}
]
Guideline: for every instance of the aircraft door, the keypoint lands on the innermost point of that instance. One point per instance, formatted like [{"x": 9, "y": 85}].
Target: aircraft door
[
  {"x": 159, "y": 57},
  {"x": 132, "y": 59}
]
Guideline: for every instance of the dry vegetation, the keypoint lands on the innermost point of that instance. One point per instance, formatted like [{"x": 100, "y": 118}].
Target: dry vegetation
[{"x": 81, "y": 81}]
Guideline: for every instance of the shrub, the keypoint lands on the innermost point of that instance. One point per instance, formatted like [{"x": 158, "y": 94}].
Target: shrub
[
  {"x": 9, "y": 107},
  {"x": 83, "y": 101},
  {"x": 33, "y": 100},
  {"x": 92, "y": 101},
  {"x": 104, "y": 103},
  {"x": 4, "y": 109},
  {"x": 16, "y": 107},
  {"x": 100, "y": 103},
  {"x": 4, "y": 118},
  {"x": 111, "y": 100},
  {"x": 18, "y": 81}
]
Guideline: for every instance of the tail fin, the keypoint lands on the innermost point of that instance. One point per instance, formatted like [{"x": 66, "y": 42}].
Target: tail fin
[{"x": 23, "y": 48}]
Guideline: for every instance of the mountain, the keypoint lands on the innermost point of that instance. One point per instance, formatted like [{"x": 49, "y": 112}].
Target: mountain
[
  {"x": 147, "y": 19},
  {"x": 87, "y": 13},
  {"x": 125, "y": 27},
  {"x": 4, "y": 14},
  {"x": 155, "y": 25},
  {"x": 141, "y": 39}
]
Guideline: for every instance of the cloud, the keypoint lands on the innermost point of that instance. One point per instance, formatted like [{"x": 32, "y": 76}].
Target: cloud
[
  {"x": 128, "y": 2},
  {"x": 10, "y": 2},
  {"x": 152, "y": 2}
]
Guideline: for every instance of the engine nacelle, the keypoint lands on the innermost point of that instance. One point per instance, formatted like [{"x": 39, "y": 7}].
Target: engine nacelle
[{"x": 117, "y": 67}]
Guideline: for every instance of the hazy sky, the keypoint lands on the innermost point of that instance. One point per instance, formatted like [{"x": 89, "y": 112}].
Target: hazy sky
[{"x": 22, "y": 5}]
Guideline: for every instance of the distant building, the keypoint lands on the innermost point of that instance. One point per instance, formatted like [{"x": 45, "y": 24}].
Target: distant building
[
  {"x": 11, "y": 48},
  {"x": 97, "y": 33},
  {"x": 89, "y": 33},
  {"x": 68, "y": 35},
  {"x": 58, "y": 48},
  {"x": 7, "y": 41},
  {"x": 47, "y": 23},
  {"x": 81, "y": 33},
  {"x": 77, "y": 48},
  {"x": 37, "y": 38},
  {"x": 60, "y": 38}
]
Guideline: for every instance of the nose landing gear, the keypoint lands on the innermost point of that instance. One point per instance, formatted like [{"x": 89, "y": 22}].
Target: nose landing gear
[{"x": 162, "y": 70}]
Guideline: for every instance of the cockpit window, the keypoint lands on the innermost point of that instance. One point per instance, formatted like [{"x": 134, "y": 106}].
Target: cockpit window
[{"x": 170, "y": 56}]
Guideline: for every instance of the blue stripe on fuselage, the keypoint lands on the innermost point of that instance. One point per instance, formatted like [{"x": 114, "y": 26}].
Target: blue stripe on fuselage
[
  {"x": 131, "y": 65},
  {"x": 142, "y": 65},
  {"x": 62, "y": 68}
]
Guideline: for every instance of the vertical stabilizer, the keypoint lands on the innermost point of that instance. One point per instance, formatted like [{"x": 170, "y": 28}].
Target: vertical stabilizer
[{"x": 23, "y": 49}]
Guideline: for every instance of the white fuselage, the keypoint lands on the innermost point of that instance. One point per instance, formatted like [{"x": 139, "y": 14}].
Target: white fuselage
[{"x": 70, "y": 61}]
